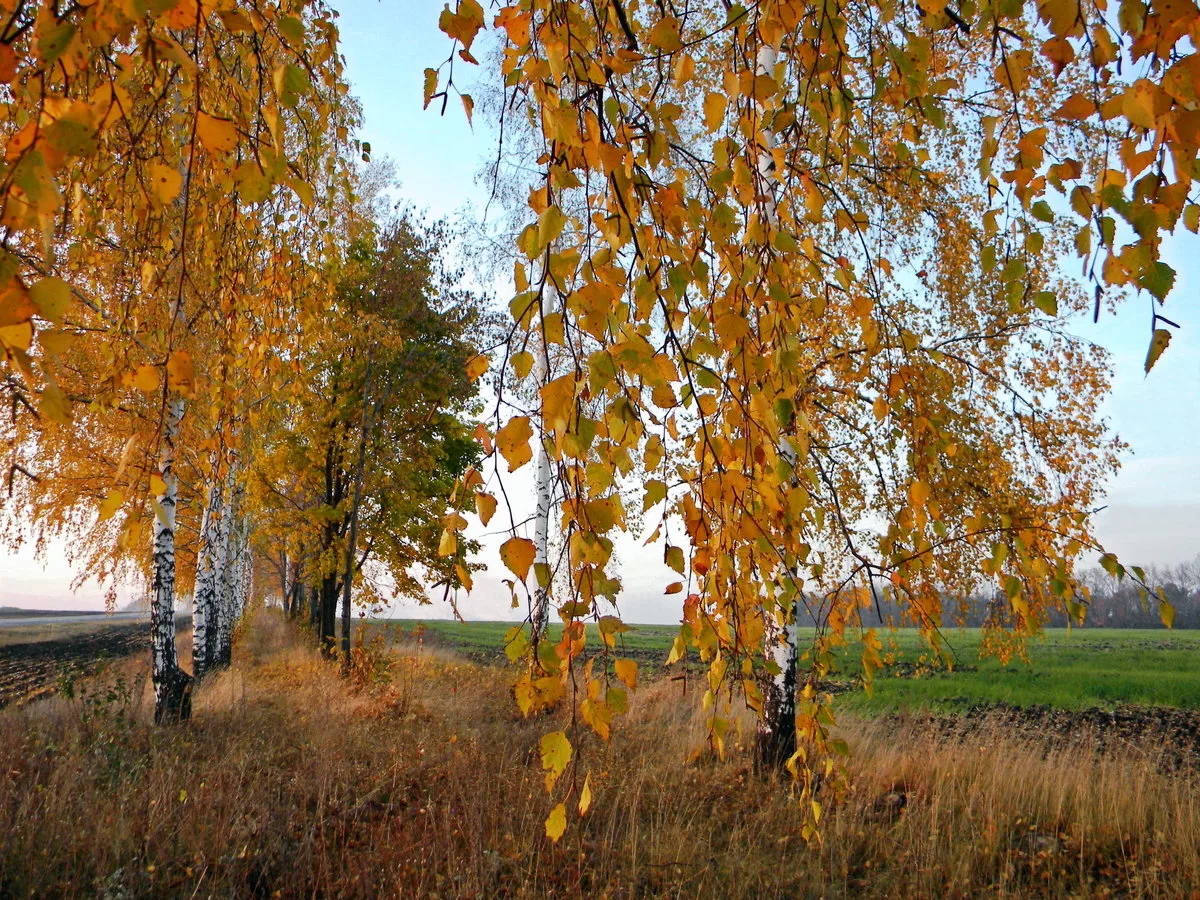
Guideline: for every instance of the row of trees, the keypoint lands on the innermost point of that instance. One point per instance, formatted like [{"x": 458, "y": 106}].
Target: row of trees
[
  {"x": 752, "y": 281},
  {"x": 218, "y": 341},
  {"x": 1110, "y": 602}
]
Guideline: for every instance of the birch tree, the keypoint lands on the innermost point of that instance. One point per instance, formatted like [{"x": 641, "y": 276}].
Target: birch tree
[
  {"x": 761, "y": 235},
  {"x": 154, "y": 160}
]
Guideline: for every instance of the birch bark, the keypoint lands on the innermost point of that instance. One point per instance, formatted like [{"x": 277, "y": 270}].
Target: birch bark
[
  {"x": 172, "y": 686},
  {"x": 219, "y": 629},
  {"x": 539, "y": 612},
  {"x": 205, "y": 595},
  {"x": 776, "y": 738}
]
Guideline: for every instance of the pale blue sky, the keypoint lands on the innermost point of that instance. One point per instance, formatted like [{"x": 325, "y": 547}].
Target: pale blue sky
[{"x": 1154, "y": 513}]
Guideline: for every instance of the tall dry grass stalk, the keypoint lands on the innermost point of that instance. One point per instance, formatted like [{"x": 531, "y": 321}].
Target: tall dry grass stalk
[{"x": 287, "y": 783}]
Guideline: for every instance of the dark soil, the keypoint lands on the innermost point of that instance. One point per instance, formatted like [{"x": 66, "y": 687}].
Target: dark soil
[
  {"x": 33, "y": 669},
  {"x": 1170, "y": 735}
]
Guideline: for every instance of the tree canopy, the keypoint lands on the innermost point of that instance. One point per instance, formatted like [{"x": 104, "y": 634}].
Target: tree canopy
[
  {"x": 794, "y": 275},
  {"x": 802, "y": 267}
]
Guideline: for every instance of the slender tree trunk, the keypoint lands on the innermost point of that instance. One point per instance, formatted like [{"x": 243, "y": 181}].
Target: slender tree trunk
[
  {"x": 219, "y": 636},
  {"x": 539, "y": 613},
  {"x": 328, "y": 627},
  {"x": 776, "y": 738},
  {"x": 348, "y": 578},
  {"x": 235, "y": 565},
  {"x": 285, "y": 593},
  {"x": 297, "y": 593},
  {"x": 172, "y": 686},
  {"x": 204, "y": 607}
]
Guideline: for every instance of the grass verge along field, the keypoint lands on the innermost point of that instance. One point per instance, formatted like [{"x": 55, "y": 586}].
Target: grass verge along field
[{"x": 422, "y": 780}]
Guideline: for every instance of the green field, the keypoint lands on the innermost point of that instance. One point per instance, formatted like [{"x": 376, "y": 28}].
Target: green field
[{"x": 1077, "y": 669}]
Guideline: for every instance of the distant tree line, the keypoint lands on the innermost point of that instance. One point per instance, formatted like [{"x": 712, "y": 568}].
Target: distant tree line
[{"x": 1113, "y": 603}]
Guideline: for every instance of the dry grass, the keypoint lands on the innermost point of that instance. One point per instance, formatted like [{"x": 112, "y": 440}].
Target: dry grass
[{"x": 286, "y": 783}]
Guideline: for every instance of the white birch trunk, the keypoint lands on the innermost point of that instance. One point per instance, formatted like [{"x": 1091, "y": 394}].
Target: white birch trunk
[
  {"x": 242, "y": 595},
  {"x": 776, "y": 738},
  {"x": 172, "y": 686},
  {"x": 768, "y": 177},
  {"x": 539, "y": 613},
  {"x": 223, "y": 607},
  {"x": 248, "y": 594},
  {"x": 204, "y": 605}
]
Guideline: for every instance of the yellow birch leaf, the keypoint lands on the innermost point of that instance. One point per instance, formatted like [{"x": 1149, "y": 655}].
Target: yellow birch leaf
[
  {"x": 464, "y": 576},
  {"x": 485, "y": 505},
  {"x": 556, "y": 755},
  {"x": 1158, "y": 343},
  {"x": 550, "y": 225},
  {"x": 431, "y": 83},
  {"x": 51, "y": 296},
  {"x": 55, "y": 342},
  {"x": 513, "y": 441},
  {"x": 180, "y": 372},
  {"x": 665, "y": 35},
  {"x": 464, "y": 23},
  {"x": 476, "y": 366},
  {"x": 558, "y": 403},
  {"x": 218, "y": 135},
  {"x": 448, "y": 545},
  {"x": 627, "y": 670},
  {"x": 714, "y": 111},
  {"x": 110, "y": 505},
  {"x": 522, "y": 362},
  {"x": 517, "y": 554},
  {"x": 1142, "y": 103},
  {"x": 685, "y": 69},
  {"x": 556, "y": 823},
  {"x": 585, "y": 796},
  {"x": 918, "y": 493},
  {"x": 165, "y": 182},
  {"x": 158, "y": 487},
  {"x": 145, "y": 379},
  {"x": 15, "y": 305},
  {"x": 54, "y": 404}
]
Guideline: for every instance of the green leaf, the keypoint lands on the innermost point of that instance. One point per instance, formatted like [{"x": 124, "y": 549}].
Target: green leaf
[
  {"x": 516, "y": 643},
  {"x": 292, "y": 30},
  {"x": 1158, "y": 278},
  {"x": 54, "y": 41},
  {"x": 1046, "y": 302},
  {"x": 1042, "y": 212}
]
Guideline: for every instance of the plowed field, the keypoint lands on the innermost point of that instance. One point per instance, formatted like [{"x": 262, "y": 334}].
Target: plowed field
[{"x": 31, "y": 669}]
